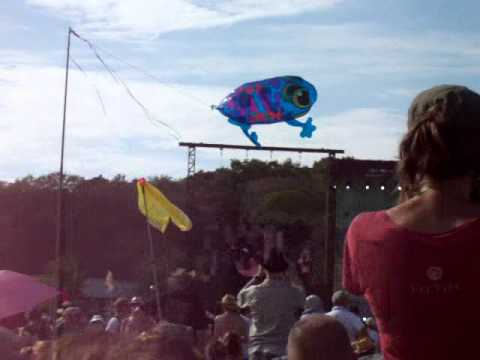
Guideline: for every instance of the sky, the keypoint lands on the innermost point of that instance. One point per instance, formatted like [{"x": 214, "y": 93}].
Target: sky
[{"x": 367, "y": 59}]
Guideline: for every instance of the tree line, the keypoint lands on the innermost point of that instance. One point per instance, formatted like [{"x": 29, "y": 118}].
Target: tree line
[{"x": 105, "y": 231}]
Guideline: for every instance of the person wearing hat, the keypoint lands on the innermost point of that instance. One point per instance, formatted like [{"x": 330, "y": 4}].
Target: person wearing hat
[
  {"x": 274, "y": 306},
  {"x": 231, "y": 320},
  {"x": 96, "y": 324},
  {"x": 417, "y": 262}
]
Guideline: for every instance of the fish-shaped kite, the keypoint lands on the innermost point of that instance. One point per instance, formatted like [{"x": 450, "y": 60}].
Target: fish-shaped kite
[{"x": 269, "y": 101}]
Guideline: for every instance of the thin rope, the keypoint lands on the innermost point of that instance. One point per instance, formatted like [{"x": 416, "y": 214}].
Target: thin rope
[
  {"x": 96, "y": 49},
  {"x": 175, "y": 134},
  {"x": 99, "y": 97}
]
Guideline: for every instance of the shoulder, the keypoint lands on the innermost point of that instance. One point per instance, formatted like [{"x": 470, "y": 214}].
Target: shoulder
[
  {"x": 220, "y": 317},
  {"x": 244, "y": 295},
  {"x": 332, "y": 313},
  {"x": 367, "y": 225},
  {"x": 367, "y": 219}
]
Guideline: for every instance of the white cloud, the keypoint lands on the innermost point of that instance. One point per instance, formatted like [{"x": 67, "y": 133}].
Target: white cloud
[
  {"x": 134, "y": 19},
  {"x": 123, "y": 141},
  {"x": 331, "y": 53},
  {"x": 10, "y": 57},
  {"x": 363, "y": 49},
  {"x": 365, "y": 133}
]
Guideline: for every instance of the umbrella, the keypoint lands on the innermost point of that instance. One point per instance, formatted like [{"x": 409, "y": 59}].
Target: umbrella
[{"x": 20, "y": 293}]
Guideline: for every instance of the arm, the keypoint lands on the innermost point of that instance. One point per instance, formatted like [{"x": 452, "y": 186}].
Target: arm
[
  {"x": 300, "y": 303},
  {"x": 350, "y": 273},
  {"x": 257, "y": 279},
  {"x": 241, "y": 297},
  {"x": 217, "y": 329}
]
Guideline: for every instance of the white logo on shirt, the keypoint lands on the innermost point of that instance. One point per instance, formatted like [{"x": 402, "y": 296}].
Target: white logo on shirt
[{"x": 435, "y": 273}]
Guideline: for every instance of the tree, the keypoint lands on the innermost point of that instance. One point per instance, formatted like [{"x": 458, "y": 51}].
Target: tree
[{"x": 289, "y": 207}]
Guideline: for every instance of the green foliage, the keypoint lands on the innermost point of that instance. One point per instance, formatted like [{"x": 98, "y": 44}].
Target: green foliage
[
  {"x": 291, "y": 207},
  {"x": 105, "y": 231}
]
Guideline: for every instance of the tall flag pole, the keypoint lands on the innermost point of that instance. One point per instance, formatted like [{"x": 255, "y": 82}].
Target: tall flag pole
[
  {"x": 60, "y": 247},
  {"x": 158, "y": 212},
  {"x": 153, "y": 259}
]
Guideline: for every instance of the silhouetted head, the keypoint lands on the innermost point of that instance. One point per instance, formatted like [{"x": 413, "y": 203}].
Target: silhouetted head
[
  {"x": 319, "y": 337},
  {"x": 341, "y": 298},
  {"x": 275, "y": 263},
  {"x": 313, "y": 304}
]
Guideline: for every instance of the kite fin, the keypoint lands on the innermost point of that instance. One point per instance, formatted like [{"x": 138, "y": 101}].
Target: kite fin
[
  {"x": 307, "y": 127},
  {"x": 252, "y": 136}
]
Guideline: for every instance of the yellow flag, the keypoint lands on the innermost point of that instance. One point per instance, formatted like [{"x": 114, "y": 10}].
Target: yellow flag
[{"x": 159, "y": 210}]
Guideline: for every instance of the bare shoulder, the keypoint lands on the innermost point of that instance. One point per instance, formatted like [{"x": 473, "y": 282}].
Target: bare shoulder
[
  {"x": 429, "y": 215},
  {"x": 402, "y": 210}
]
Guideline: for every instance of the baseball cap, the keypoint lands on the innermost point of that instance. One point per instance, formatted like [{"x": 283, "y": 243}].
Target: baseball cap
[{"x": 459, "y": 105}]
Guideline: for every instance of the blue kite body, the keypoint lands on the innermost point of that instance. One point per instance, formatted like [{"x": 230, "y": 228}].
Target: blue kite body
[{"x": 279, "y": 99}]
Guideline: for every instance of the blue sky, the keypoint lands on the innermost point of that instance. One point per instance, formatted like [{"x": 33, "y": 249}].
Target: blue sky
[{"x": 367, "y": 59}]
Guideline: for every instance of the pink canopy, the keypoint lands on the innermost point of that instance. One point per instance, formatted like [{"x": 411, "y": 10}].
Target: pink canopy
[{"x": 21, "y": 293}]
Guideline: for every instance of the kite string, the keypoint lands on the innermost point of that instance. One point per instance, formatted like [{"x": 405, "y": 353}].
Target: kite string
[
  {"x": 99, "y": 96},
  {"x": 118, "y": 79},
  {"x": 195, "y": 98}
]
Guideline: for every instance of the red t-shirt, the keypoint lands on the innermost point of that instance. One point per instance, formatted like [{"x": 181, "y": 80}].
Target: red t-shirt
[{"x": 422, "y": 288}]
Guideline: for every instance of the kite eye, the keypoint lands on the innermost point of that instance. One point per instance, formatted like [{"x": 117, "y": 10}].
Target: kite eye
[
  {"x": 301, "y": 98},
  {"x": 290, "y": 90}
]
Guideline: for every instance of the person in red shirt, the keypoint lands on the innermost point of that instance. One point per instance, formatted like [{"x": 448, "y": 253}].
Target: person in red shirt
[{"x": 418, "y": 263}]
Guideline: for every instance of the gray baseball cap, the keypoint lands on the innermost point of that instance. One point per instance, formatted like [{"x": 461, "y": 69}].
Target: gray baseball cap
[{"x": 459, "y": 105}]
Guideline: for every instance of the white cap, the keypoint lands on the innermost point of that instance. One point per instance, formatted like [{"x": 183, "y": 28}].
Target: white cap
[{"x": 97, "y": 318}]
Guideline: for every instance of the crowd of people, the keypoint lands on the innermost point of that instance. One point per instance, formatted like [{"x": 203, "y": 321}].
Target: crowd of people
[
  {"x": 416, "y": 265},
  {"x": 270, "y": 318}
]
